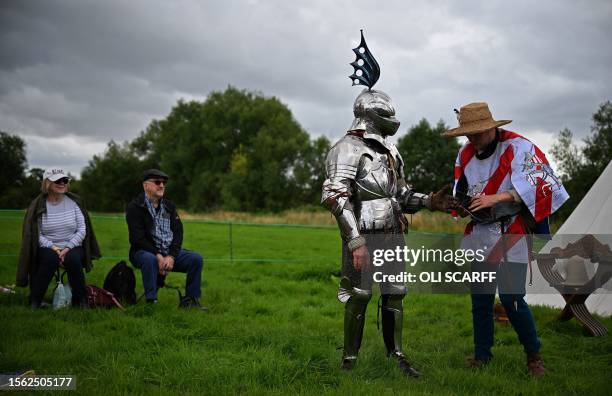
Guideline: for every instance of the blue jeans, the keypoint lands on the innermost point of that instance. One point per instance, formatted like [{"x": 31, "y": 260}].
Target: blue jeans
[
  {"x": 187, "y": 261},
  {"x": 510, "y": 277}
]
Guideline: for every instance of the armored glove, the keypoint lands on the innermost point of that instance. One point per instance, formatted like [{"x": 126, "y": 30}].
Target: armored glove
[{"x": 442, "y": 200}]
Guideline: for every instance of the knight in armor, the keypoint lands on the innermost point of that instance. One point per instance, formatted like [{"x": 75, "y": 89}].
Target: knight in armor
[{"x": 366, "y": 191}]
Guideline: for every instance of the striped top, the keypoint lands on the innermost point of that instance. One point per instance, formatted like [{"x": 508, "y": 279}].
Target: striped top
[{"x": 63, "y": 225}]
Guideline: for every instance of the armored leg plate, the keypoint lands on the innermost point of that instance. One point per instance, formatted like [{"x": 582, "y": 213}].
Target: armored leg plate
[
  {"x": 392, "y": 312},
  {"x": 354, "y": 320}
]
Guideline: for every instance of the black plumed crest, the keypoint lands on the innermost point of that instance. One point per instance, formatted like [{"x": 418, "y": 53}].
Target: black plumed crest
[{"x": 370, "y": 71}]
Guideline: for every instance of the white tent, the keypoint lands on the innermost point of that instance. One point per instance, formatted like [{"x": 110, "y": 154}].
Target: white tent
[{"x": 592, "y": 216}]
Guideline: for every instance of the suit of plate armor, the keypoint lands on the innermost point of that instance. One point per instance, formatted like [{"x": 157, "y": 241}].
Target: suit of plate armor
[{"x": 366, "y": 191}]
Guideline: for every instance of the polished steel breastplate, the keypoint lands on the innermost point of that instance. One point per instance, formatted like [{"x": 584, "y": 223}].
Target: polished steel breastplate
[
  {"x": 375, "y": 179},
  {"x": 376, "y": 184}
]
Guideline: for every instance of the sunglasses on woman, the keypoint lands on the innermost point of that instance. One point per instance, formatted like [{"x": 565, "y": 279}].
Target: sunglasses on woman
[{"x": 63, "y": 180}]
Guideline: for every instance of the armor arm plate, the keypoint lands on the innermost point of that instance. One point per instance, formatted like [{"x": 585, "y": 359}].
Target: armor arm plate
[
  {"x": 399, "y": 164},
  {"x": 336, "y": 193},
  {"x": 410, "y": 200},
  {"x": 341, "y": 167}
]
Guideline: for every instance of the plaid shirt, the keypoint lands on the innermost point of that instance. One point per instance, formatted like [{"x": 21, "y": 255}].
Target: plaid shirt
[{"x": 162, "y": 234}]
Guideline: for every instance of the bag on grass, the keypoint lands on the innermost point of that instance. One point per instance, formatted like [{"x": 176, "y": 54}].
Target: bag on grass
[
  {"x": 121, "y": 281},
  {"x": 62, "y": 295},
  {"x": 98, "y": 297}
]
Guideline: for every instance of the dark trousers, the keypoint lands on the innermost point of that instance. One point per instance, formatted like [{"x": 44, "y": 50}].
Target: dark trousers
[
  {"x": 187, "y": 261},
  {"x": 48, "y": 263},
  {"x": 510, "y": 277}
]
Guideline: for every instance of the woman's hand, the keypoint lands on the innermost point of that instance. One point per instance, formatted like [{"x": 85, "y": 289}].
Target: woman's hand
[{"x": 62, "y": 254}]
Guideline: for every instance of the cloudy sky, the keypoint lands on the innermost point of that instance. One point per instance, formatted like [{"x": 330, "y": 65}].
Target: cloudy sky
[{"x": 75, "y": 74}]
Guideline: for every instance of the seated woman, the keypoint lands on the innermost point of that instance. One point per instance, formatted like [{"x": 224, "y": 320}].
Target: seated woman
[{"x": 57, "y": 232}]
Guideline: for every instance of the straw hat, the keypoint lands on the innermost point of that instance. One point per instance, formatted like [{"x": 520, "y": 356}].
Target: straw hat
[{"x": 474, "y": 118}]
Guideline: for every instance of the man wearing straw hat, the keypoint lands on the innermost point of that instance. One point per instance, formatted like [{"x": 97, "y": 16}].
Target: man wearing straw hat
[{"x": 506, "y": 185}]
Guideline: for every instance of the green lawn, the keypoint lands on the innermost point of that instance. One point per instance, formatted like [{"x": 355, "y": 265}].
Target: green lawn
[{"x": 274, "y": 327}]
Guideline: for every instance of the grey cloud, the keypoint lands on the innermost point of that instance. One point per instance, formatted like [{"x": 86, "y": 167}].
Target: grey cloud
[
  {"x": 95, "y": 71},
  {"x": 61, "y": 152}
]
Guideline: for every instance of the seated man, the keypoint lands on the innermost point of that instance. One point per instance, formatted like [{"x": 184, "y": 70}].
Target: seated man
[{"x": 156, "y": 236}]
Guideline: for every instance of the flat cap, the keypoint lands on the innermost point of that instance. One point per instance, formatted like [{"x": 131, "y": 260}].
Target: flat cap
[{"x": 153, "y": 173}]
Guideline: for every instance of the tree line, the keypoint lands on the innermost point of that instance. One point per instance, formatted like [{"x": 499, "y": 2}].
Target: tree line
[
  {"x": 240, "y": 150},
  {"x": 581, "y": 166}
]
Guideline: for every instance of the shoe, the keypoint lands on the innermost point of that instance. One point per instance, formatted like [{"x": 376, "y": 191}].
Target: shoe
[
  {"x": 348, "y": 363},
  {"x": 535, "y": 365},
  {"x": 152, "y": 301},
  {"x": 405, "y": 366},
  {"x": 476, "y": 363},
  {"x": 39, "y": 305},
  {"x": 191, "y": 303}
]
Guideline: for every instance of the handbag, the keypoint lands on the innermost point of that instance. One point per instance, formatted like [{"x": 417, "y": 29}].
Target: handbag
[{"x": 100, "y": 298}]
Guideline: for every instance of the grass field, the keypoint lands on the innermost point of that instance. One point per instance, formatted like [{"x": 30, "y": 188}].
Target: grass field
[{"x": 274, "y": 327}]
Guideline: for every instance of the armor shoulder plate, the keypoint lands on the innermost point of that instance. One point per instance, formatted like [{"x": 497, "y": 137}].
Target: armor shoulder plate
[{"x": 343, "y": 158}]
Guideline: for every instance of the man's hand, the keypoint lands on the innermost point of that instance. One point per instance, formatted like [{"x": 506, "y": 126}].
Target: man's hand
[
  {"x": 62, "y": 254},
  {"x": 168, "y": 263},
  {"x": 482, "y": 201},
  {"x": 161, "y": 264},
  {"x": 443, "y": 200},
  {"x": 361, "y": 258}
]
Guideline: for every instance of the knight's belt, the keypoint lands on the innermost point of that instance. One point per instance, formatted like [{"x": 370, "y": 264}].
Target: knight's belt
[{"x": 503, "y": 211}]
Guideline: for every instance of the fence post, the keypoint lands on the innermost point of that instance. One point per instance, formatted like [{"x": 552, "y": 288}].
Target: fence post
[{"x": 231, "y": 243}]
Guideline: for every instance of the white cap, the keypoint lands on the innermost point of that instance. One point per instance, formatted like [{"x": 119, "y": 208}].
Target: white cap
[{"x": 54, "y": 174}]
